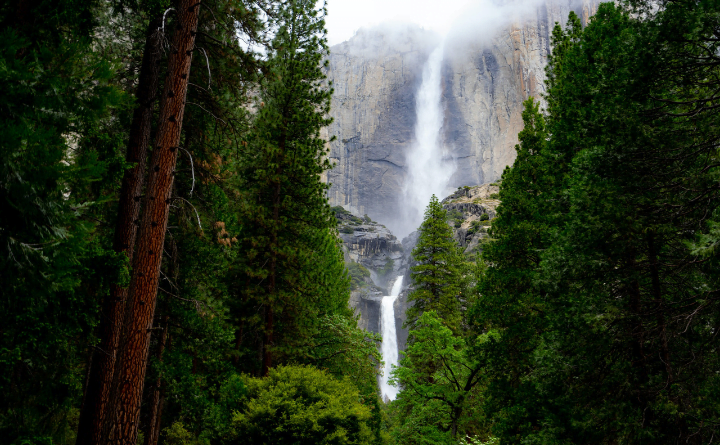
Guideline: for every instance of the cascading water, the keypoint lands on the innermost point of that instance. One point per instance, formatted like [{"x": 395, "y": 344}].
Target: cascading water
[
  {"x": 429, "y": 170},
  {"x": 389, "y": 339}
]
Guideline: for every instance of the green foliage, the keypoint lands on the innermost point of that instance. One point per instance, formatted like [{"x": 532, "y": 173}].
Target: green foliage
[
  {"x": 457, "y": 217},
  {"x": 387, "y": 267},
  {"x": 291, "y": 265},
  {"x": 57, "y": 93},
  {"x": 440, "y": 382},
  {"x": 436, "y": 276},
  {"x": 484, "y": 217},
  {"x": 592, "y": 266},
  {"x": 301, "y": 405},
  {"x": 467, "y": 440},
  {"x": 358, "y": 274}
]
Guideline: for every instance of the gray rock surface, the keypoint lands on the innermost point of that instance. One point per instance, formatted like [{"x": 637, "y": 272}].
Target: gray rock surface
[
  {"x": 469, "y": 204},
  {"x": 376, "y": 75},
  {"x": 374, "y": 247}
]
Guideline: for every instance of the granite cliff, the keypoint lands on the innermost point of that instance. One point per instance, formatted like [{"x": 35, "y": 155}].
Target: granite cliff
[
  {"x": 376, "y": 75},
  {"x": 374, "y": 256}
]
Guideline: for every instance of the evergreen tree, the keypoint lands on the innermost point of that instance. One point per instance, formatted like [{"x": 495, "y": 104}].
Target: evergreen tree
[
  {"x": 287, "y": 274},
  {"x": 437, "y": 276},
  {"x": 591, "y": 272},
  {"x": 57, "y": 94},
  {"x": 439, "y": 405}
]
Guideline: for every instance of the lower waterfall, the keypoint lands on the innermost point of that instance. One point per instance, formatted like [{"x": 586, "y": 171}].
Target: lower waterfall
[{"x": 389, "y": 340}]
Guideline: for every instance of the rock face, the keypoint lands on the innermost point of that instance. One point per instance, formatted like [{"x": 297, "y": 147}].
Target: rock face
[
  {"x": 376, "y": 76},
  {"x": 470, "y": 210},
  {"x": 372, "y": 246}
]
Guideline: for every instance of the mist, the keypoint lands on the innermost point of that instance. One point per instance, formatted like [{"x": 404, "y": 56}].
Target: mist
[{"x": 428, "y": 162}]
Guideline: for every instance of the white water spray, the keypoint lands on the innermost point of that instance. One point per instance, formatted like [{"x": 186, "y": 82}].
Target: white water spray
[
  {"x": 429, "y": 171},
  {"x": 389, "y": 340}
]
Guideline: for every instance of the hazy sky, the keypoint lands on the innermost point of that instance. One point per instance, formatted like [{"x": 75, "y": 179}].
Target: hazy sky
[{"x": 347, "y": 16}]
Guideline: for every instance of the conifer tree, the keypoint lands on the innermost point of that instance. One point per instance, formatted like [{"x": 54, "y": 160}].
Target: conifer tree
[
  {"x": 102, "y": 364},
  {"x": 596, "y": 304},
  {"x": 122, "y": 419},
  {"x": 284, "y": 211},
  {"x": 57, "y": 92},
  {"x": 437, "y": 276}
]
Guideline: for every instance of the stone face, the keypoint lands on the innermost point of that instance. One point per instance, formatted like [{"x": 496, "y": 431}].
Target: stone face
[
  {"x": 373, "y": 246},
  {"x": 469, "y": 204},
  {"x": 376, "y": 76}
]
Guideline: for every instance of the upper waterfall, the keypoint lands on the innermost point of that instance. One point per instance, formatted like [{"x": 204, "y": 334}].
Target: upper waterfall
[{"x": 429, "y": 167}]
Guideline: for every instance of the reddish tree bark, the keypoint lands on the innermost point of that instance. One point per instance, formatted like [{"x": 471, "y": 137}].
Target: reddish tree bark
[
  {"x": 122, "y": 427},
  {"x": 97, "y": 391},
  {"x": 152, "y": 433}
]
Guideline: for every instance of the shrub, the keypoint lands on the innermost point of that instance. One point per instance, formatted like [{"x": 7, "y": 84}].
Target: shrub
[
  {"x": 484, "y": 217},
  {"x": 301, "y": 405},
  {"x": 358, "y": 274}
]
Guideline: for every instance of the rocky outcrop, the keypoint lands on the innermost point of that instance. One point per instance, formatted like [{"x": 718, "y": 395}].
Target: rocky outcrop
[
  {"x": 470, "y": 210},
  {"x": 376, "y": 75},
  {"x": 373, "y": 247}
]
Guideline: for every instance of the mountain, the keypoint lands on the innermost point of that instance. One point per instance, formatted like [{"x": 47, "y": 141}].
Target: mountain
[{"x": 485, "y": 78}]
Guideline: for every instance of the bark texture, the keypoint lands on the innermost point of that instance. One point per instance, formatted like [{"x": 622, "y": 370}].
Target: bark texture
[
  {"x": 129, "y": 379},
  {"x": 152, "y": 433},
  {"x": 97, "y": 393}
]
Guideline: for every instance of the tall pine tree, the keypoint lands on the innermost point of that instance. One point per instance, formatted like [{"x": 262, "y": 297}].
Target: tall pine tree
[
  {"x": 286, "y": 239},
  {"x": 437, "y": 276}
]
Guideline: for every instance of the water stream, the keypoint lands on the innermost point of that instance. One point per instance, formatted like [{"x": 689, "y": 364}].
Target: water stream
[
  {"x": 429, "y": 166},
  {"x": 389, "y": 339}
]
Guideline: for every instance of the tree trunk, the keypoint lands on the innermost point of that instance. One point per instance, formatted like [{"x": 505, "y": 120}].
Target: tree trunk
[
  {"x": 267, "y": 352},
  {"x": 122, "y": 428},
  {"x": 659, "y": 306},
  {"x": 152, "y": 432},
  {"x": 97, "y": 392}
]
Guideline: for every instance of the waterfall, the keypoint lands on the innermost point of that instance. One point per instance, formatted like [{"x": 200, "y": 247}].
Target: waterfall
[
  {"x": 389, "y": 339},
  {"x": 429, "y": 170}
]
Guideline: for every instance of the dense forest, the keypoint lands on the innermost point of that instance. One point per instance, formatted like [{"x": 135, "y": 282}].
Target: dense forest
[{"x": 171, "y": 271}]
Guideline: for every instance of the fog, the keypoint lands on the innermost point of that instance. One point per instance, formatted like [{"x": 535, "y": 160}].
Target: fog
[{"x": 441, "y": 31}]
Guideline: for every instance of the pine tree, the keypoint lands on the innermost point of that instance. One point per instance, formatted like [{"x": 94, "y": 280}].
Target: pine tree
[
  {"x": 122, "y": 420},
  {"x": 57, "y": 94},
  {"x": 592, "y": 271},
  {"x": 102, "y": 364},
  {"x": 437, "y": 276},
  {"x": 284, "y": 211},
  {"x": 508, "y": 303}
]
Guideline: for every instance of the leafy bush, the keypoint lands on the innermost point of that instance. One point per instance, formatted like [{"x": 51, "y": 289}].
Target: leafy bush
[
  {"x": 457, "y": 217},
  {"x": 484, "y": 217},
  {"x": 494, "y": 196},
  {"x": 347, "y": 229},
  {"x": 301, "y": 405},
  {"x": 339, "y": 210},
  {"x": 358, "y": 274}
]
